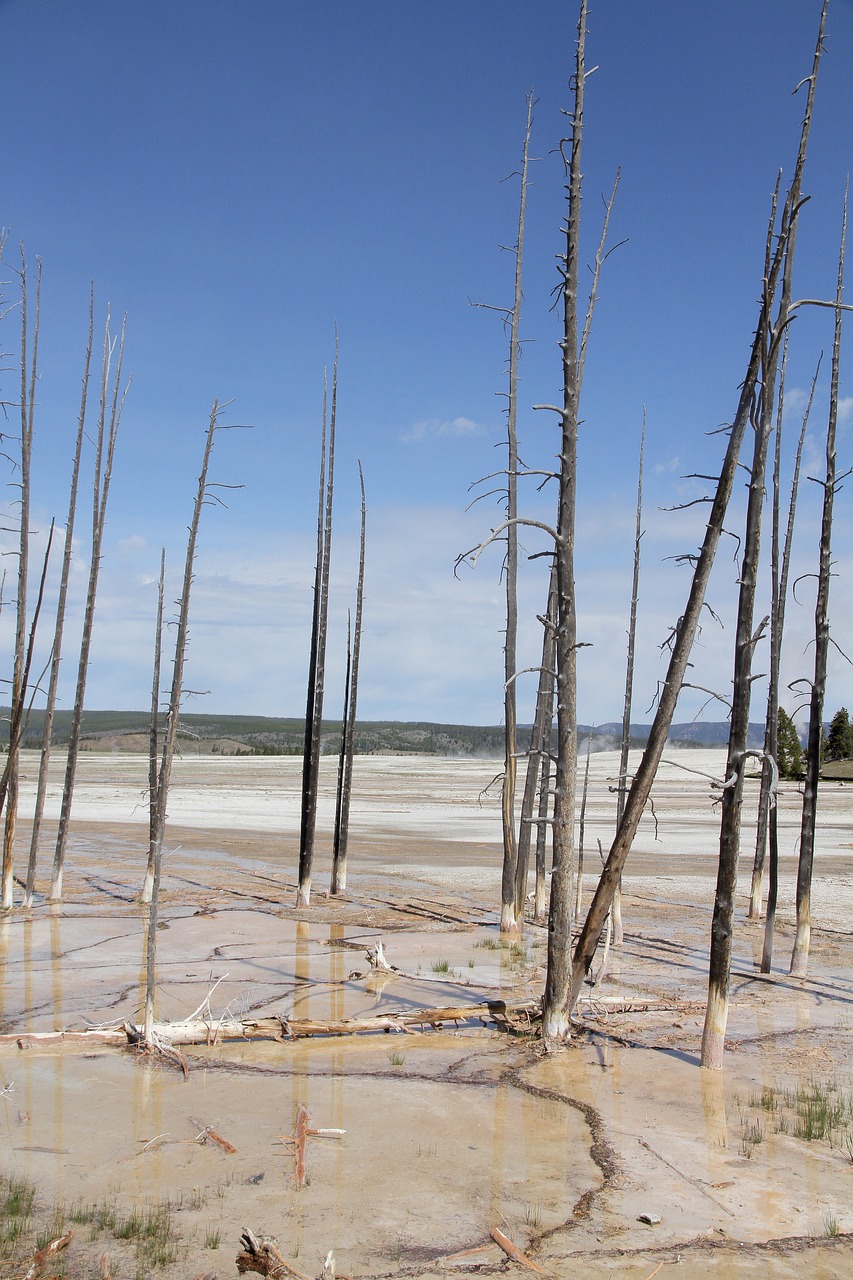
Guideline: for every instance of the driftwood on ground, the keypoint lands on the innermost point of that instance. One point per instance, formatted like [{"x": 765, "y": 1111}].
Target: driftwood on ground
[{"x": 514, "y": 1017}]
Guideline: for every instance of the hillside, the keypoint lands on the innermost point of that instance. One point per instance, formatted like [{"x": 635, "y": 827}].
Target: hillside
[{"x": 268, "y": 735}]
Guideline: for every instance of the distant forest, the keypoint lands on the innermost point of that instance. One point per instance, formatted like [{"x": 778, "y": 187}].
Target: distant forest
[{"x": 267, "y": 735}]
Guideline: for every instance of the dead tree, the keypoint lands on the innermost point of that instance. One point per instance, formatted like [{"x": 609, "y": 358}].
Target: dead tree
[
  {"x": 766, "y": 821},
  {"x": 538, "y": 768},
  {"x": 555, "y": 1001},
  {"x": 685, "y": 631},
  {"x": 342, "y": 807},
  {"x": 555, "y": 1019},
  {"x": 582, "y": 827},
  {"x": 746, "y": 638},
  {"x": 800, "y": 955},
  {"x": 203, "y": 495},
  {"x": 317, "y": 658},
  {"x": 109, "y": 417},
  {"x": 622, "y": 781},
  {"x": 154, "y": 739},
  {"x": 29, "y": 368},
  {"x": 61, "y": 603},
  {"x": 20, "y": 712},
  {"x": 511, "y": 918}
]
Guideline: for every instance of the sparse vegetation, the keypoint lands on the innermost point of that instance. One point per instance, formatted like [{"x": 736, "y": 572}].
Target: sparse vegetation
[{"x": 817, "y": 1111}]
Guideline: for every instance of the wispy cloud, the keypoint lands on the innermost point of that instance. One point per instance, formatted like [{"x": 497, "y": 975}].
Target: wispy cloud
[{"x": 442, "y": 429}]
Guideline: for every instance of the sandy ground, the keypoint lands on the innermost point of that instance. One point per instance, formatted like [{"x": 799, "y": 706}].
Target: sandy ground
[{"x": 448, "y": 1133}]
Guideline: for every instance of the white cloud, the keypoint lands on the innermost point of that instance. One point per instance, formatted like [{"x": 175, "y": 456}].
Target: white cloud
[{"x": 442, "y": 429}]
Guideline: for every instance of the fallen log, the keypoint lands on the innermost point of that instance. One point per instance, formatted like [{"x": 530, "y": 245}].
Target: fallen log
[{"x": 515, "y": 1016}]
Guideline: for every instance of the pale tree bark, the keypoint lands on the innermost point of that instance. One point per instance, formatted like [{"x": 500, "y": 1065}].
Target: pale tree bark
[
  {"x": 109, "y": 418},
  {"x": 512, "y": 917},
  {"x": 800, "y": 955},
  {"x": 317, "y": 664},
  {"x": 779, "y": 566},
  {"x": 154, "y": 738},
  {"x": 61, "y": 603},
  {"x": 538, "y": 767},
  {"x": 29, "y": 368},
  {"x": 172, "y": 718},
  {"x": 582, "y": 829},
  {"x": 540, "y": 894},
  {"x": 339, "y": 857},
  {"x": 777, "y": 627},
  {"x": 622, "y": 781},
  {"x": 21, "y": 710},
  {"x": 685, "y": 631}
]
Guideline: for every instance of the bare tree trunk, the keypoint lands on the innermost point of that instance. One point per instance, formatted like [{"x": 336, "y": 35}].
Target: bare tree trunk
[
  {"x": 622, "y": 782},
  {"x": 109, "y": 417},
  {"x": 29, "y": 366},
  {"x": 47, "y": 730},
  {"x": 511, "y": 918},
  {"x": 154, "y": 739},
  {"x": 339, "y": 861},
  {"x": 800, "y": 955},
  {"x": 172, "y": 719},
  {"x": 538, "y": 766},
  {"x": 540, "y": 896},
  {"x": 555, "y": 1010},
  {"x": 716, "y": 1015},
  {"x": 778, "y": 598},
  {"x": 317, "y": 672},
  {"x": 342, "y": 756},
  {"x": 686, "y": 629},
  {"x": 21, "y": 710},
  {"x": 582, "y": 832}
]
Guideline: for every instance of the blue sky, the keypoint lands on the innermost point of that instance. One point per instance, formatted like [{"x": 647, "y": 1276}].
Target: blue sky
[{"x": 240, "y": 178}]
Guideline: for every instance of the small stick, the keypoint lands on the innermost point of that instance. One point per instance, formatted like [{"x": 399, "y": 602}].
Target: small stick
[
  {"x": 652, "y": 1274},
  {"x": 207, "y": 1131},
  {"x": 41, "y": 1255},
  {"x": 301, "y": 1135},
  {"x": 512, "y": 1251}
]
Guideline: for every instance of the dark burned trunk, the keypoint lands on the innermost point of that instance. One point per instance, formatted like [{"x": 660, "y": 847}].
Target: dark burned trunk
[
  {"x": 317, "y": 662},
  {"x": 555, "y": 1004}
]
